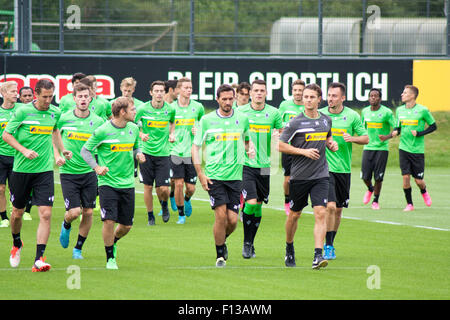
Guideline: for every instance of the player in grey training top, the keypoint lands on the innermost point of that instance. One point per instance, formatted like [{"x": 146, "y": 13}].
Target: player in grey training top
[
  {"x": 305, "y": 133},
  {"x": 305, "y": 137}
]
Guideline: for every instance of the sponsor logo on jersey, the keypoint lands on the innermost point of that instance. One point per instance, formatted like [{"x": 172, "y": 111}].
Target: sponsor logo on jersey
[
  {"x": 185, "y": 122},
  {"x": 374, "y": 125},
  {"x": 157, "y": 124},
  {"x": 122, "y": 147},
  {"x": 78, "y": 136},
  {"x": 316, "y": 136},
  {"x": 409, "y": 122},
  {"x": 41, "y": 130},
  {"x": 3, "y": 125},
  {"x": 338, "y": 132},
  {"x": 260, "y": 128},
  {"x": 232, "y": 136}
]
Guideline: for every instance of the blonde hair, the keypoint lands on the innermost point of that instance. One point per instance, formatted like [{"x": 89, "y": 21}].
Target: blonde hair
[
  {"x": 128, "y": 82},
  {"x": 7, "y": 85}
]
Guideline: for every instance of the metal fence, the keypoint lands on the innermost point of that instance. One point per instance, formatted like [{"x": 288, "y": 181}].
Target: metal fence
[{"x": 363, "y": 28}]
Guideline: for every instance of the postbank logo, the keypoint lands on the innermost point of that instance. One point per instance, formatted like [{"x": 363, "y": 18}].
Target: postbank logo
[
  {"x": 338, "y": 132},
  {"x": 157, "y": 124},
  {"x": 78, "y": 136},
  {"x": 231, "y": 136},
  {"x": 374, "y": 125},
  {"x": 409, "y": 122},
  {"x": 41, "y": 130},
  {"x": 122, "y": 147},
  {"x": 259, "y": 128},
  {"x": 185, "y": 122},
  {"x": 316, "y": 136}
]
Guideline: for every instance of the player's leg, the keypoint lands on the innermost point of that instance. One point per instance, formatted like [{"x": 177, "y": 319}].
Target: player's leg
[
  {"x": 173, "y": 205},
  {"x": 219, "y": 231},
  {"x": 43, "y": 197},
  {"x": 366, "y": 174},
  {"x": 319, "y": 197},
  {"x": 381, "y": 158},
  {"x": 147, "y": 170},
  {"x": 71, "y": 190},
  {"x": 286, "y": 162},
  {"x": 406, "y": 170},
  {"x": 190, "y": 179},
  {"x": 418, "y": 172},
  {"x": 109, "y": 203},
  {"x": 162, "y": 183},
  {"x": 249, "y": 191},
  {"x": 4, "y": 221},
  {"x": 6, "y": 165},
  {"x": 298, "y": 191}
]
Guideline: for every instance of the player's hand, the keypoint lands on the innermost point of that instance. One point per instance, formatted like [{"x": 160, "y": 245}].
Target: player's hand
[
  {"x": 347, "y": 137},
  {"x": 171, "y": 137},
  {"x": 312, "y": 153},
  {"x": 30, "y": 154},
  {"x": 60, "y": 161},
  {"x": 414, "y": 133},
  {"x": 194, "y": 130},
  {"x": 394, "y": 133},
  {"x": 67, "y": 154},
  {"x": 383, "y": 137},
  {"x": 333, "y": 146},
  {"x": 205, "y": 181},
  {"x": 251, "y": 153},
  {"x": 143, "y": 136},
  {"x": 276, "y": 134},
  {"x": 140, "y": 157},
  {"x": 101, "y": 171}
]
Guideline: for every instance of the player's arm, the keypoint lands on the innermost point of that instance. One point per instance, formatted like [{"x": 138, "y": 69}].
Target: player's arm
[
  {"x": 137, "y": 153},
  {"x": 87, "y": 153},
  {"x": 361, "y": 137},
  {"x": 331, "y": 144},
  {"x": 14, "y": 123},
  {"x": 204, "y": 180},
  {"x": 431, "y": 128},
  {"x": 58, "y": 144},
  {"x": 311, "y": 153}
]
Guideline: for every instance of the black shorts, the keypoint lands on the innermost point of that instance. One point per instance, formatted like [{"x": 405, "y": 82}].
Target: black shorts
[
  {"x": 41, "y": 185},
  {"x": 225, "y": 192},
  {"x": 299, "y": 190},
  {"x": 286, "y": 163},
  {"x": 256, "y": 184},
  {"x": 6, "y": 166},
  {"x": 339, "y": 191},
  {"x": 117, "y": 204},
  {"x": 79, "y": 190},
  {"x": 374, "y": 163},
  {"x": 182, "y": 168},
  {"x": 155, "y": 169},
  {"x": 412, "y": 163}
]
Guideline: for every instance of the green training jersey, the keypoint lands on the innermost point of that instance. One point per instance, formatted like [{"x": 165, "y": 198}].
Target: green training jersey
[
  {"x": 75, "y": 132},
  {"x": 288, "y": 110},
  {"x": 5, "y": 116},
  {"x": 67, "y": 103},
  {"x": 185, "y": 119},
  {"x": 115, "y": 150},
  {"x": 413, "y": 119},
  {"x": 262, "y": 122},
  {"x": 347, "y": 121},
  {"x": 224, "y": 139},
  {"x": 377, "y": 123},
  {"x": 33, "y": 129},
  {"x": 156, "y": 123}
]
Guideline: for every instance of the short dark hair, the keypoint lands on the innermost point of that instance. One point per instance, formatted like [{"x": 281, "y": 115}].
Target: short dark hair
[
  {"x": 80, "y": 87},
  {"x": 78, "y": 76},
  {"x": 414, "y": 89},
  {"x": 315, "y": 88},
  {"x": 259, "y": 81},
  {"x": 299, "y": 82},
  {"x": 157, "y": 83},
  {"x": 119, "y": 104},
  {"x": 87, "y": 82},
  {"x": 224, "y": 88},
  {"x": 377, "y": 90},
  {"x": 243, "y": 85},
  {"x": 25, "y": 88},
  {"x": 338, "y": 85},
  {"x": 170, "y": 84},
  {"x": 44, "y": 84}
]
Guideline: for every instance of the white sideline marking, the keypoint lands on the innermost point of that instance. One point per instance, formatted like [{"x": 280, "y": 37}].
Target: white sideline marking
[{"x": 344, "y": 217}]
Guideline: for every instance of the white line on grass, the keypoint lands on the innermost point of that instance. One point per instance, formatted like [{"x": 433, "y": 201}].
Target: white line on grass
[{"x": 345, "y": 217}]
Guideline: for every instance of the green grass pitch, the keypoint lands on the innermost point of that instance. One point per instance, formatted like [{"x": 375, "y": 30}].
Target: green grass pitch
[{"x": 410, "y": 253}]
